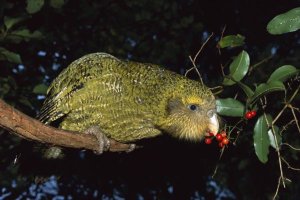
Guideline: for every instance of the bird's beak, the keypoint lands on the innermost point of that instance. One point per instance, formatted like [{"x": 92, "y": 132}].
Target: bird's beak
[{"x": 213, "y": 125}]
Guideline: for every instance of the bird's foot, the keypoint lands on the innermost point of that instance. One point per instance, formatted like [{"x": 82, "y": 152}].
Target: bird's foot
[
  {"x": 103, "y": 141},
  {"x": 131, "y": 148}
]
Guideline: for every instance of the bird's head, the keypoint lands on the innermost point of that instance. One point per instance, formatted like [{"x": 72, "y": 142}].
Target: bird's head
[{"x": 191, "y": 113}]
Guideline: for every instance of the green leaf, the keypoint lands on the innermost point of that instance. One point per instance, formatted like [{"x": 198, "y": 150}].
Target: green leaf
[
  {"x": 57, "y": 3},
  {"x": 9, "y": 22},
  {"x": 284, "y": 23},
  {"x": 283, "y": 73},
  {"x": 248, "y": 91},
  {"x": 231, "y": 41},
  {"x": 34, "y": 6},
  {"x": 273, "y": 142},
  {"x": 40, "y": 89},
  {"x": 266, "y": 88},
  {"x": 261, "y": 138},
  {"x": 25, "y": 34},
  {"x": 9, "y": 56},
  {"x": 230, "y": 107},
  {"x": 238, "y": 68}
]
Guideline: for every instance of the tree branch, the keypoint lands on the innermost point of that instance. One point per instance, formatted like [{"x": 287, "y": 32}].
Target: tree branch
[{"x": 32, "y": 129}]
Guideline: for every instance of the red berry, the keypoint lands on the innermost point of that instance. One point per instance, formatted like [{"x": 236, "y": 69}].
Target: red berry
[
  {"x": 208, "y": 140},
  {"x": 223, "y": 134},
  {"x": 248, "y": 115},
  {"x": 209, "y": 134},
  {"x": 225, "y": 141},
  {"x": 219, "y": 137},
  {"x": 253, "y": 113}
]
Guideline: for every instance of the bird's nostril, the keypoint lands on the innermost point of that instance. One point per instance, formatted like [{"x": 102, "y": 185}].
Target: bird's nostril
[{"x": 210, "y": 113}]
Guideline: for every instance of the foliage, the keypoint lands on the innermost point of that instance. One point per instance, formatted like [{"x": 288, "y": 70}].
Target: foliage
[
  {"x": 230, "y": 107},
  {"x": 39, "y": 38},
  {"x": 231, "y": 41},
  {"x": 238, "y": 68},
  {"x": 265, "y": 124},
  {"x": 286, "y": 22},
  {"x": 266, "y": 133}
]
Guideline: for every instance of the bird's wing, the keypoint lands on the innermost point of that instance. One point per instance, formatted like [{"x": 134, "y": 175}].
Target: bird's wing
[
  {"x": 69, "y": 81},
  {"x": 108, "y": 102},
  {"x": 97, "y": 89}
]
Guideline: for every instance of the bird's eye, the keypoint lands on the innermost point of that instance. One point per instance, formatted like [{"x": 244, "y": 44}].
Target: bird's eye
[{"x": 192, "y": 107}]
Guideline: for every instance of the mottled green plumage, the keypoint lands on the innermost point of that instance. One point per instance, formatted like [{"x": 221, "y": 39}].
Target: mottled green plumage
[{"x": 127, "y": 100}]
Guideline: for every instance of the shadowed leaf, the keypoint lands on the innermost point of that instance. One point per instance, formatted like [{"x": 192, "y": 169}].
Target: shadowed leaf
[
  {"x": 248, "y": 91},
  {"x": 34, "y": 6},
  {"x": 9, "y": 22},
  {"x": 57, "y": 3},
  {"x": 9, "y": 56},
  {"x": 40, "y": 89},
  {"x": 266, "y": 88},
  {"x": 26, "y": 35},
  {"x": 261, "y": 138}
]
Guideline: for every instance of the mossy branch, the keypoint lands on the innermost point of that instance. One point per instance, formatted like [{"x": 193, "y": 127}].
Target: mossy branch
[{"x": 32, "y": 129}]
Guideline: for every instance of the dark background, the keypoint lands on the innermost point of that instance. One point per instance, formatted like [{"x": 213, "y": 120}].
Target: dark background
[{"x": 160, "y": 32}]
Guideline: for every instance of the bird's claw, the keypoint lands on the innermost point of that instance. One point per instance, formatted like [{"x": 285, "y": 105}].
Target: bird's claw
[
  {"x": 131, "y": 148},
  {"x": 104, "y": 142}
]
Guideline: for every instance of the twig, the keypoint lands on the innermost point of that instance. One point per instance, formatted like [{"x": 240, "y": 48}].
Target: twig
[
  {"x": 280, "y": 113},
  {"x": 195, "y": 68},
  {"x": 219, "y": 50},
  {"x": 277, "y": 149},
  {"x": 222, "y": 70},
  {"x": 222, "y": 34},
  {"x": 294, "y": 148},
  {"x": 297, "y": 109},
  {"x": 32, "y": 129},
  {"x": 289, "y": 166},
  {"x": 235, "y": 127},
  {"x": 217, "y": 166},
  {"x": 221, "y": 154},
  {"x": 286, "y": 105},
  {"x": 193, "y": 60},
  {"x": 285, "y": 126},
  {"x": 251, "y": 68},
  {"x": 295, "y": 117},
  {"x": 278, "y": 185},
  {"x": 277, "y": 188},
  {"x": 197, "y": 54},
  {"x": 218, "y": 88}
]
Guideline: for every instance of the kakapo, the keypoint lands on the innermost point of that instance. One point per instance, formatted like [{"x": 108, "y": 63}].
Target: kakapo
[{"x": 128, "y": 101}]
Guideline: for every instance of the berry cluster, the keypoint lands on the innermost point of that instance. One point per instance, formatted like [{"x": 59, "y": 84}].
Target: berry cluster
[
  {"x": 250, "y": 114},
  {"x": 220, "y": 137}
]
